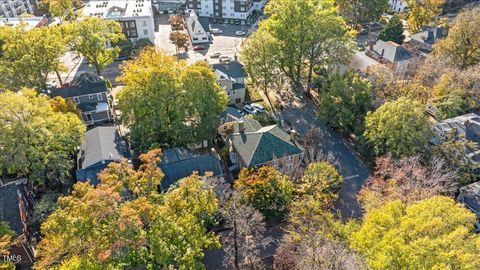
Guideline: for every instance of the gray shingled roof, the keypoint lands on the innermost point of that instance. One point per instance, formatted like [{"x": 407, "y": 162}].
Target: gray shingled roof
[
  {"x": 178, "y": 163},
  {"x": 86, "y": 84},
  {"x": 9, "y": 210},
  {"x": 470, "y": 196},
  {"x": 263, "y": 145},
  {"x": 102, "y": 146},
  {"x": 233, "y": 69},
  {"x": 391, "y": 51},
  {"x": 429, "y": 35}
]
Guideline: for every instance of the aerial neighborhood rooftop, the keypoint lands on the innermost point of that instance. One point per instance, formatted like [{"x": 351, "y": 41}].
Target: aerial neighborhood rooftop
[{"x": 239, "y": 134}]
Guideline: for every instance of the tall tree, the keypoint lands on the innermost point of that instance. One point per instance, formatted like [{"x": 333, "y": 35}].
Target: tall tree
[
  {"x": 393, "y": 30},
  {"x": 436, "y": 233},
  {"x": 29, "y": 56},
  {"x": 104, "y": 228},
  {"x": 36, "y": 141},
  {"x": 168, "y": 103},
  {"x": 267, "y": 190},
  {"x": 399, "y": 127},
  {"x": 423, "y": 13},
  {"x": 462, "y": 45},
  {"x": 407, "y": 180},
  {"x": 179, "y": 39},
  {"x": 6, "y": 241},
  {"x": 63, "y": 9},
  {"x": 258, "y": 55},
  {"x": 344, "y": 102},
  {"x": 307, "y": 34},
  {"x": 362, "y": 11},
  {"x": 91, "y": 38}
]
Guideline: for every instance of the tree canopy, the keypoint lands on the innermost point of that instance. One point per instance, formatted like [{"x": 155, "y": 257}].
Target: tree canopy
[
  {"x": 104, "y": 228},
  {"x": 423, "y": 13},
  {"x": 393, "y": 30},
  {"x": 64, "y": 9},
  {"x": 399, "y": 127},
  {"x": 36, "y": 141},
  {"x": 344, "y": 102},
  {"x": 168, "y": 103},
  {"x": 90, "y": 38},
  {"x": 6, "y": 241},
  {"x": 29, "y": 56},
  {"x": 436, "y": 233},
  {"x": 362, "y": 11},
  {"x": 306, "y": 34},
  {"x": 267, "y": 190}
]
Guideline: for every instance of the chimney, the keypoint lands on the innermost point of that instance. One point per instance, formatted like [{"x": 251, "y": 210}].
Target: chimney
[
  {"x": 241, "y": 126},
  {"x": 293, "y": 134}
]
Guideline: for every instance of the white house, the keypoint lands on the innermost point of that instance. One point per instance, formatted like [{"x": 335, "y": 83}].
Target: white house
[
  {"x": 231, "y": 78},
  {"x": 198, "y": 33},
  {"x": 398, "y": 5},
  {"x": 135, "y": 16}
]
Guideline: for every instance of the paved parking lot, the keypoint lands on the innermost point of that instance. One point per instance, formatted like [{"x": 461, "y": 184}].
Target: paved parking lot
[{"x": 226, "y": 43}]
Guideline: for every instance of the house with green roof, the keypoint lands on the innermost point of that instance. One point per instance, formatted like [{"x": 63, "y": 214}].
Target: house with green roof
[{"x": 252, "y": 145}]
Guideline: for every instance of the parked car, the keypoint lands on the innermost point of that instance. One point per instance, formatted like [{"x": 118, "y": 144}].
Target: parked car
[
  {"x": 249, "y": 109},
  {"x": 216, "y": 55},
  {"x": 199, "y": 48},
  {"x": 237, "y": 22},
  {"x": 240, "y": 33},
  {"x": 216, "y": 31},
  {"x": 224, "y": 59},
  {"x": 242, "y": 22},
  {"x": 258, "y": 107}
]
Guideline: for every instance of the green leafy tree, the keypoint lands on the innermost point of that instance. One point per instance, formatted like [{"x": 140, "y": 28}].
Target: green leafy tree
[
  {"x": 423, "y": 13},
  {"x": 29, "y": 56},
  {"x": 345, "y": 101},
  {"x": 267, "y": 190},
  {"x": 90, "y": 37},
  {"x": 168, "y": 103},
  {"x": 37, "y": 141},
  {"x": 462, "y": 45},
  {"x": 399, "y": 127},
  {"x": 258, "y": 55},
  {"x": 42, "y": 209},
  {"x": 319, "y": 177},
  {"x": 63, "y": 9},
  {"x": 393, "y": 30},
  {"x": 362, "y": 11},
  {"x": 101, "y": 228},
  {"x": 436, "y": 233},
  {"x": 307, "y": 34}
]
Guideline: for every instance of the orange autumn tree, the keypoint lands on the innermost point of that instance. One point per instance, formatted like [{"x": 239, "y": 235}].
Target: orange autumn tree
[{"x": 125, "y": 221}]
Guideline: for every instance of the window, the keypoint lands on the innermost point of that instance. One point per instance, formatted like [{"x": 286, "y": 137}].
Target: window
[
  {"x": 99, "y": 96},
  {"x": 238, "y": 100},
  {"x": 77, "y": 100},
  {"x": 90, "y": 96},
  {"x": 233, "y": 92},
  {"x": 129, "y": 29},
  {"x": 228, "y": 93},
  {"x": 145, "y": 23},
  {"x": 145, "y": 32}
]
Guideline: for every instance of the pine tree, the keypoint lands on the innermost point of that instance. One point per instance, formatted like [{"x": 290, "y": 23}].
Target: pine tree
[{"x": 393, "y": 30}]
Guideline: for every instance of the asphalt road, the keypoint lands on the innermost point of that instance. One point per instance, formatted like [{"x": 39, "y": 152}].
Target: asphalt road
[{"x": 336, "y": 151}]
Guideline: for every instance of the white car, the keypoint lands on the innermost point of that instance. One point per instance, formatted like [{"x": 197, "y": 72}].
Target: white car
[
  {"x": 259, "y": 108},
  {"x": 240, "y": 33},
  {"x": 216, "y": 31},
  {"x": 249, "y": 109}
]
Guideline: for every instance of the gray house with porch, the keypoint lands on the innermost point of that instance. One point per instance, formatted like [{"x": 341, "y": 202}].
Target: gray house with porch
[{"x": 90, "y": 93}]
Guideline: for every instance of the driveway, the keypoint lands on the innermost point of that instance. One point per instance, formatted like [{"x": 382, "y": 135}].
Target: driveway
[{"x": 336, "y": 151}]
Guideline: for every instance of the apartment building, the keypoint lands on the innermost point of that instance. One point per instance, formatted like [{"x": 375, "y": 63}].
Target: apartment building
[
  {"x": 167, "y": 5},
  {"x": 398, "y": 5},
  {"x": 15, "y": 8},
  {"x": 135, "y": 16},
  {"x": 229, "y": 9}
]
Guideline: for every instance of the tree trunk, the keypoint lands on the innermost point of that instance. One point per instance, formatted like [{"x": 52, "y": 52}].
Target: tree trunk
[
  {"x": 235, "y": 244},
  {"x": 59, "y": 78},
  {"x": 309, "y": 78},
  {"x": 265, "y": 91}
]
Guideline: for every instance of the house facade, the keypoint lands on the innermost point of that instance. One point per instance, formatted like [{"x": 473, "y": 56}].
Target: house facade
[
  {"x": 198, "y": 32},
  {"x": 225, "y": 9},
  {"x": 231, "y": 78},
  {"x": 135, "y": 16},
  {"x": 16, "y": 207},
  {"x": 425, "y": 39},
  {"x": 15, "y": 8},
  {"x": 103, "y": 145},
  {"x": 398, "y": 5},
  {"x": 251, "y": 145},
  {"x": 90, "y": 93},
  {"x": 169, "y": 5}
]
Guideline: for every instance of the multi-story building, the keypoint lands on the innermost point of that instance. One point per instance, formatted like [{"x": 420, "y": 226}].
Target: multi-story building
[
  {"x": 398, "y": 5},
  {"x": 231, "y": 78},
  {"x": 169, "y": 5},
  {"x": 15, "y": 8},
  {"x": 229, "y": 9},
  {"x": 135, "y": 16}
]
